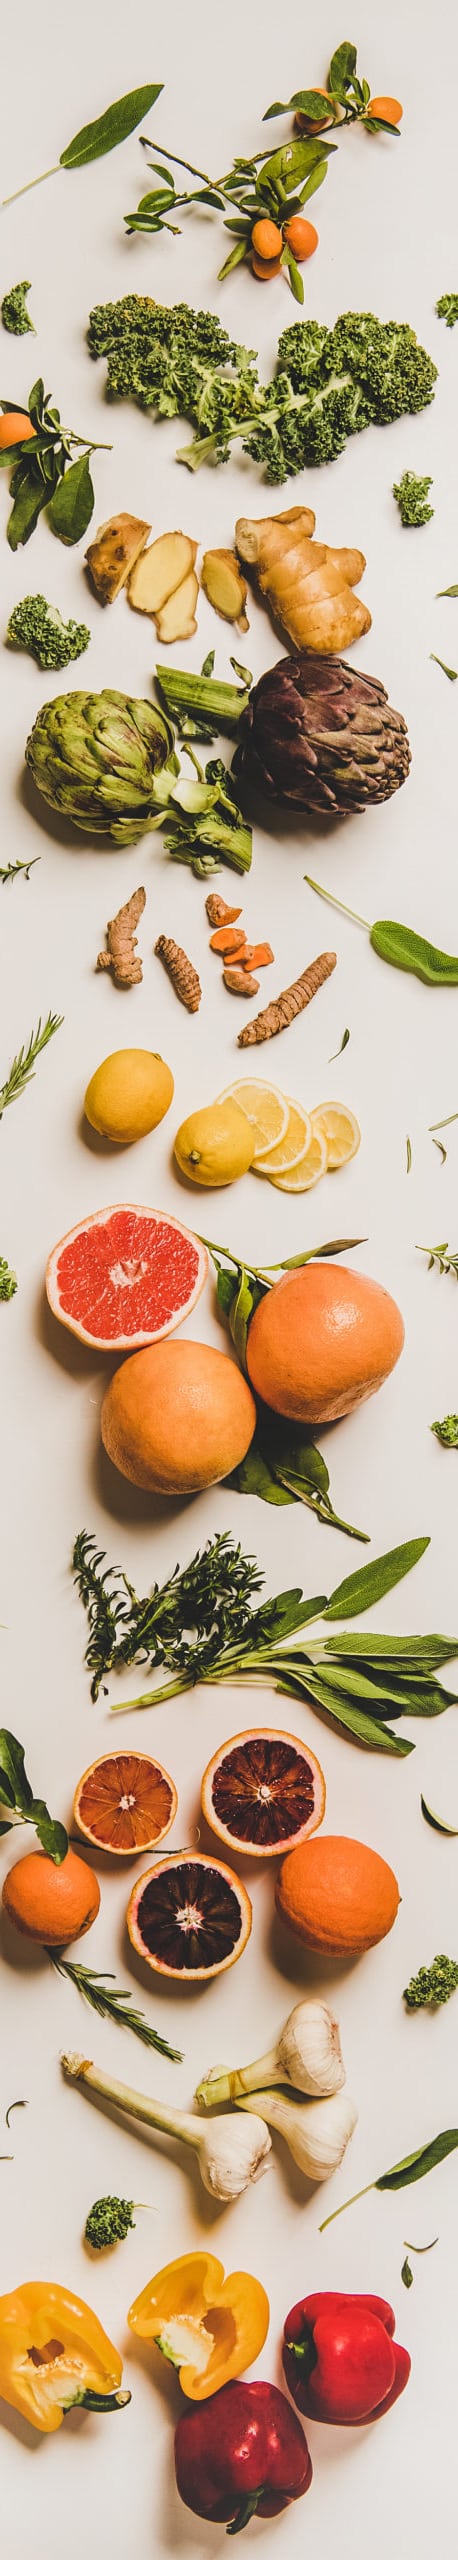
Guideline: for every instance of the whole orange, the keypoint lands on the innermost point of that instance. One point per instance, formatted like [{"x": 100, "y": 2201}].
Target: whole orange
[
  {"x": 15, "y": 428},
  {"x": 321, "y": 1340},
  {"x": 266, "y": 238},
  {"x": 302, "y": 237},
  {"x": 265, "y": 267},
  {"x": 53, "y": 1904},
  {"x": 336, "y": 1895},
  {"x": 177, "y": 1417},
  {"x": 388, "y": 109}
]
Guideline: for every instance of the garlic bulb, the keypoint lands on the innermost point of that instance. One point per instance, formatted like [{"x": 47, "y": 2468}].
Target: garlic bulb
[
  {"x": 231, "y": 2154},
  {"x": 308, "y": 2054},
  {"x": 317, "y": 2133}
]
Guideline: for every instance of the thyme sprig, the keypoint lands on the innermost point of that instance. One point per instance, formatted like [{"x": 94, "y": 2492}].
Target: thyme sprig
[
  {"x": 200, "y": 1608},
  {"x": 23, "y": 1066},
  {"x": 11, "y": 870},
  {"x": 104, "y": 1995},
  {"x": 439, "y": 1258}
]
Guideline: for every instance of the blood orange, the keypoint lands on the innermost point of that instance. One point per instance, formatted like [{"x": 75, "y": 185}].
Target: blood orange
[
  {"x": 125, "y": 1277},
  {"x": 189, "y": 1917},
  {"x": 125, "y": 1803},
  {"x": 262, "y": 1791}
]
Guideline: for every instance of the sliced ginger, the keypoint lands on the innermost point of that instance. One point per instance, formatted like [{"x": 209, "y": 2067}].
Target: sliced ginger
[
  {"x": 308, "y": 585},
  {"x": 177, "y": 617},
  {"x": 225, "y": 587},
  {"x": 113, "y": 554},
  {"x": 159, "y": 571}
]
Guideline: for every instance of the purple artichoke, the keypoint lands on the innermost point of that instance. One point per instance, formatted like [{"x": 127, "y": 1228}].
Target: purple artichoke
[{"x": 318, "y": 735}]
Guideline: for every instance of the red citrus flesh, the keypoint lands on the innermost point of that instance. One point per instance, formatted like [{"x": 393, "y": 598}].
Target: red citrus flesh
[
  {"x": 263, "y": 1790},
  {"x": 189, "y": 1917},
  {"x": 125, "y": 1803},
  {"x": 125, "y": 1277}
]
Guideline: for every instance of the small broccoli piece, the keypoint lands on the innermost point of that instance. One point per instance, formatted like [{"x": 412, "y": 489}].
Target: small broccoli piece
[
  {"x": 110, "y": 2218},
  {"x": 15, "y": 315},
  {"x": 412, "y": 498},
  {"x": 447, "y": 1431},
  {"x": 447, "y": 309},
  {"x": 38, "y": 627},
  {"x": 8, "y": 1281},
  {"x": 433, "y": 1984}
]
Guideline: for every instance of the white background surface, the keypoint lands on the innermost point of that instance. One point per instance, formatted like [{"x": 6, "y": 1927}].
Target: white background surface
[{"x": 385, "y": 220}]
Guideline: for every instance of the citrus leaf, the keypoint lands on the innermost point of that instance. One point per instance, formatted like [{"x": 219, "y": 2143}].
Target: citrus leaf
[
  {"x": 29, "y": 497},
  {"x": 13, "y": 1773},
  {"x": 71, "y": 507},
  {"x": 363, "y": 1588},
  {"x": 436, "y": 1821},
  {"x": 315, "y": 180},
  {"x": 235, "y": 257},
  {"x": 292, "y": 162},
  {"x": 256, "y": 1476},
  {"x": 418, "y": 2163},
  {"x": 111, "y": 127}
]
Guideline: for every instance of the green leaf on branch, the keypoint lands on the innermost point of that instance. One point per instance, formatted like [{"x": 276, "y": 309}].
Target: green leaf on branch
[
  {"x": 72, "y": 505},
  {"x": 114, "y": 126},
  {"x": 17, "y": 1794}
]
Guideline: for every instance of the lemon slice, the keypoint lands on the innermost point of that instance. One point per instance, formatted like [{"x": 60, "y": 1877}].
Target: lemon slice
[
  {"x": 291, "y": 1147},
  {"x": 264, "y": 1107},
  {"x": 342, "y": 1132},
  {"x": 309, "y": 1167}
]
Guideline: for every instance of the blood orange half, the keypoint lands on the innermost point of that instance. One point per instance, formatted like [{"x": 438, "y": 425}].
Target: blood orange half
[
  {"x": 262, "y": 1790},
  {"x": 125, "y": 1803},
  {"x": 125, "y": 1277},
  {"x": 189, "y": 1917}
]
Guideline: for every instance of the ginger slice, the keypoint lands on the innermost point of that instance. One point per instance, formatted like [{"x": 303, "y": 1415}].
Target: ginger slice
[
  {"x": 113, "y": 554},
  {"x": 177, "y": 618},
  {"x": 160, "y": 570},
  {"x": 225, "y": 587}
]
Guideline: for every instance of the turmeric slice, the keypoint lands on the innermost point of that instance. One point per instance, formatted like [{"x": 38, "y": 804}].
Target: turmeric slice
[
  {"x": 181, "y": 972},
  {"x": 227, "y": 939},
  {"x": 218, "y": 912},
  {"x": 121, "y": 955},
  {"x": 240, "y": 982},
  {"x": 293, "y": 1000}
]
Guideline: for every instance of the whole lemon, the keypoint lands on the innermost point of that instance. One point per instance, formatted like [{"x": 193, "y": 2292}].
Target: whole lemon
[
  {"x": 128, "y": 1095},
  {"x": 213, "y": 1147}
]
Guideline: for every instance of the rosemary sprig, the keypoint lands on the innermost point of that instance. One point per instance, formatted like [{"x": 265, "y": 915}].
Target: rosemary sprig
[
  {"x": 10, "y": 870},
  {"x": 439, "y": 1258},
  {"x": 199, "y": 1608},
  {"x": 112, "y": 2003},
  {"x": 23, "y": 1066}
]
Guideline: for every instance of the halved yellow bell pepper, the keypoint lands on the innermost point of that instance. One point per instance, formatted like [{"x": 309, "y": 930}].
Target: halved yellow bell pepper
[
  {"x": 54, "y": 2356},
  {"x": 209, "y": 2325}
]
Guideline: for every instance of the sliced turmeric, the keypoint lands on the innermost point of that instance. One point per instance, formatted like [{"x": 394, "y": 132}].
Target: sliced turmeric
[
  {"x": 218, "y": 912},
  {"x": 121, "y": 955},
  {"x": 307, "y": 584},
  {"x": 227, "y": 938},
  {"x": 293, "y": 1000},
  {"x": 240, "y": 982},
  {"x": 256, "y": 955}
]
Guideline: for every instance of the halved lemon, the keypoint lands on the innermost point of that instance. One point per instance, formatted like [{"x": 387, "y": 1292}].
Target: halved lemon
[
  {"x": 291, "y": 1147},
  {"x": 264, "y": 1107},
  {"x": 341, "y": 1131},
  {"x": 263, "y": 1792},
  {"x": 189, "y": 1917},
  {"x": 125, "y": 1803},
  {"x": 309, "y": 1166}
]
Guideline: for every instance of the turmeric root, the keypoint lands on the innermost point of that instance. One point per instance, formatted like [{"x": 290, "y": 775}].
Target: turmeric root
[
  {"x": 240, "y": 982},
  {"x": 218, "y": 912},
  {"x": 307, "y": 584},
  {"x": 122, "y": 956},
  {"x": 293, "y": 1000},
  {"x": 181, "y": 972}
]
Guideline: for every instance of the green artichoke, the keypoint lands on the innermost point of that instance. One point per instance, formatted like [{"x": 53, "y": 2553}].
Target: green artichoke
[{"x": 95, "y": 756}]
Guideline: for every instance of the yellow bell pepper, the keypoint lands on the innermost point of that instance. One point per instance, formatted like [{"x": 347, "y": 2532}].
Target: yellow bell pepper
[
  {"x": 209, "y": 2325},
  {"x": 54, "y": 2356}
]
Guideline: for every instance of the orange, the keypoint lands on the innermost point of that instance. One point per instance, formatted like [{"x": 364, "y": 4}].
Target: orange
[
  {"x": 15, "y": 428},
  {"x": 266, "y": 239},
  {"x": 336, "y": 1895},
  {"x": 189, "y": 1917},
  {"x": 53, "y": 1904},
  {"x": 321, "y": 1340},
  {"x": 177, "y": 1417},
  {"x": 125, "y": 1803},
  {"x": 262, "y": 1790},
  {"x": 301, "y": 237},
  {"x": 388, "y": 109},
  {"x": 265, "y": 267}
]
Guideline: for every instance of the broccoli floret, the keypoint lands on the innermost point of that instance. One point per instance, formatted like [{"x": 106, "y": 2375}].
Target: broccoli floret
[
  {"x": 433, "y": 1984},
  {"x": 38, "y": 627},
  {"x": 412, "y": 498},
  {"x": 15, "y": 315},
  {"x": 447, "y": 309},
  {"x": 110, "y": 2218},
  {"x": 447, "y": 1431},
  {"x": 8, "y": 1281}
]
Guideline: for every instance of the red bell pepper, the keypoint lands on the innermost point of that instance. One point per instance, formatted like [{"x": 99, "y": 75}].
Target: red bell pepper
[
  {"x": 241, "y": 2454},
  {"x": 340, "y": 2358}
]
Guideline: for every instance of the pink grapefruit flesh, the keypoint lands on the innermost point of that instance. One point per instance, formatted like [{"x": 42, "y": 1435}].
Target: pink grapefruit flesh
[{"x": 125, "y": 1277}]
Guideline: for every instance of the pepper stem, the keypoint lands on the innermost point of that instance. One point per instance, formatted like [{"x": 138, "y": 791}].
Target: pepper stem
[
  {"x": 245, "y": 2512},
  {"x": 342, "y": 2208},
  {"x": 98, "y": 2401},
  {"x": 336, "y": 902}
]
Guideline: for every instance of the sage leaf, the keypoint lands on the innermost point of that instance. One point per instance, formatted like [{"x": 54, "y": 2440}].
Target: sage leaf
[
  {"x": 418, "y": 2163},
  {"x": 361, "y": 1589},
  {"x": 110, "y": 128},
  {"x": 436, "y": 1821},
  {"x": 406, "y": 2274},
  {"x": 447, "y": 591},
  {"x": 71, "y": 507},
  {"x": 376, "y": 1737}
]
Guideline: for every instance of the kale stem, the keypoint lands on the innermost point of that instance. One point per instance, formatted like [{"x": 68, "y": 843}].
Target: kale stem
[{"x": 31, "y": 182}]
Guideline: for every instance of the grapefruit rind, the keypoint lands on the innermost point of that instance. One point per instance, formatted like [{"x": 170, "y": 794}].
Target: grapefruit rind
[
  {"x": 143, "y": 1336},
  {"x": 290, "y": 1840},
  {"x": 178, "y": 1973},
  {"x": 112, "y": 1848}
]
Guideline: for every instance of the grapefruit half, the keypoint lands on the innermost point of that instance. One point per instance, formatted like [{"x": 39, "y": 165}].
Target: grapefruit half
[{"x": 125, "y": 1277}]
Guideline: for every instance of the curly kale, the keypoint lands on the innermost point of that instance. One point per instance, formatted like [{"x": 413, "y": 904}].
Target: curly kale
[
  {"x": 447, "y": 1431},
  {"x": 329, "y": 383},
  {"x": 433, "y": 1984},
  {"x": 110, "y": 2219},
  {"x": 412, "y": 498},
  {"x": 8, "y": 1281},
  {"x": 15, "y": 315},
  {"x": 38, "y": 627},
  {"x": 447, "y": 309}
]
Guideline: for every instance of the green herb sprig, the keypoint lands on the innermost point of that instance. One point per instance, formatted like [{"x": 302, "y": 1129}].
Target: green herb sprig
[
  {"x": 95, "y": 139},
  {"x": 439, "y": 1259},
  {"x": 23, "y": 1066},
  {"x": 103, "y": 1994},
  {"x": 398, "y": 944},
  {"x": 43, "y": 475},
  {"x": 11, "y": 870},
  {"x": 405, "y": 2173},
  {"x": 17, "y": 1800}
]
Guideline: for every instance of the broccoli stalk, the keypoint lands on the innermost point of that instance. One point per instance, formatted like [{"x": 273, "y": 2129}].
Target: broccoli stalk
[
  {"x": 447, "y": 309},
  {"x": 433, "y": 1984},
  {"x": 38, "y": 627},
  {"x": 110, "y": 2218},
  {"x": 15, "y": 315},
  {"x": 412, "y": 498}
]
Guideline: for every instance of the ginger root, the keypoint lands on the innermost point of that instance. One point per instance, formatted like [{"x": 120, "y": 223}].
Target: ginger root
[
  {"x": 292, "y": 1001},
  {"x": 224, "y": 586},
  {"x": 181, "y": 972},
  {"x": 307, "y": 584},
  {"x": 122, "y": 956},
  {"x": 113, "y": 554}
]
